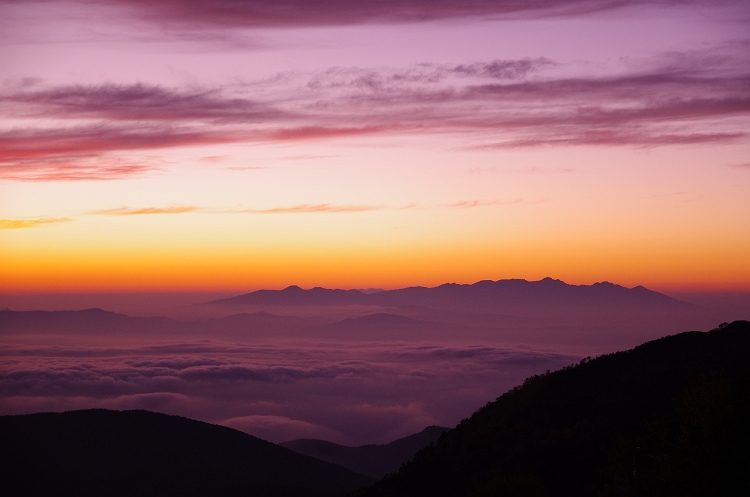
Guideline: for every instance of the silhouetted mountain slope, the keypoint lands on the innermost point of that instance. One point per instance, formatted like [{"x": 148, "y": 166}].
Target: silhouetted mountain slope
[
  {"x": 482, "y": 293},
  {"x": 109, "y": 453},
  {"x": 372, "y": 460},
  {"x": 666, "y": 418}
]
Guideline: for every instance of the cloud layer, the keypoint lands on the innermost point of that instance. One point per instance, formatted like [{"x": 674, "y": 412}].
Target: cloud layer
[
  {"x": 681, "y": 99},
  {"x": 351, "y": 392}
]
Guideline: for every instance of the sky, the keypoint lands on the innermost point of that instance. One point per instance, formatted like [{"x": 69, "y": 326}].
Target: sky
[{"x": 235, "y": 145}]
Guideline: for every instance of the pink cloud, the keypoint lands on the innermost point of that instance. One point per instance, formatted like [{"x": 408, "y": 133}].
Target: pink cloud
[
  {"x": 213, "y": 158},
  {"x": 183, "y": 209},
  {"x": 424, "y": 74},
  {"x": 126, "y": 211},
  {"x": 135, "y": 102},
  {"x": 614, "y": 138},
  {"x": 308, "y": 157},
  {"x": 323, "y": 132},
  {"x": 88, "y": 141},
  {"x": 482, "y": 203},
  {"x": 312, "y": 208},
  {"x": 53, "y": 170},
  {"x": 231, "y": 13},
  {"x": 485, "y": 105}
]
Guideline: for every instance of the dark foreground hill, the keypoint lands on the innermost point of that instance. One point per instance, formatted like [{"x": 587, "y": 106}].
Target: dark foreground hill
[
  {"x": 668, "y": 418},
  {"x": 110, "y": 453},
  {"x": 372, "y": 460}
]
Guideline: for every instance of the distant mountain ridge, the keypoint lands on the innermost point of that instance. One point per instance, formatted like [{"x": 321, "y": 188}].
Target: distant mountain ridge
[
  {"x": 545, "y": 291},
  {"x": 99, "y": 452},
  {"x": 97, "y": 321},
  {"x": 29, "y": 321},
  {"x": 371, "y": 460}
]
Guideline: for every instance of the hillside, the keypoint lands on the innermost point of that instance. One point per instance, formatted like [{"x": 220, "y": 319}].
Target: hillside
[
  {"x": 666, "y": 418},
  {"x": 371, "y": 460},
  {"x": 99, "y": 452}
]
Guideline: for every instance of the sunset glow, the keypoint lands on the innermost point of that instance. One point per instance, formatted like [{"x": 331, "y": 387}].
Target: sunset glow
[{"x": 231, "y": 146}]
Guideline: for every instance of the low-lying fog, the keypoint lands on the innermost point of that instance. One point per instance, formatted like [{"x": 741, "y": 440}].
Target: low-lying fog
[{"x": 348, "y": 374}]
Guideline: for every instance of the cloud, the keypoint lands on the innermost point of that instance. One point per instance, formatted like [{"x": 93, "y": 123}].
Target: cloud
[
  {"x": 539, "y": 170},
  {"x": 126, "y": 211},
  {"x": 11, "y": 224},
  {"x": 501, "y": 69},
  {"x": 52, "y": 170},
  {"x": 107, "y": 379},
  {"x": 213, "y": 158},
  {"x": 323, "y": 132},
  {"x": 309, "y": 157},
  {"x": 482, "y": 105},
  {"x": 136, "y": 102},
  {"x": 182, "y": 209},
  {"x": 178, "y": 363},
  {"x": 89, "y": 152},
  {"x": 267, "y": 374},
  {"x": 284, "y": 13},
  {"x": 746, "y": 165},
  {"x": 24, "y": 147},
  {"x": 614, "y": 138},
  {"x": 349, "y": 392},
  {"x": 483, "y": 203},
  {"x": 485, "y": 354},
  {"x": 312, "y": 208},
  {"x": 385, "y": 80}
]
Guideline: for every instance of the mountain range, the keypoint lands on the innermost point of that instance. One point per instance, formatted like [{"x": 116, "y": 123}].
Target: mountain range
[
  {"x": 519, "y": 295},
  {"x": 480, "y": 294},
  {"x": 599, "y": 317}
]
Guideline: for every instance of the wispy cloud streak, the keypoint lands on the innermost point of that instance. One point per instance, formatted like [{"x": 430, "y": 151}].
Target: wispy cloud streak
[
  {"x": 126, "y": 211},
  {"x": 269, "y": 13},
  {"x": 468, "y": 204},
  {"x": 136, "y": 102},
  {"x": 51, "y": 170},
  {"x": 311, "y": 208},
  {"x": 12, "y": 224},
  {"x": 185, "y": 209}
]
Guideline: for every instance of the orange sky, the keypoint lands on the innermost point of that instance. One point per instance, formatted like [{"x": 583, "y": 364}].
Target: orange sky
[{"x": 156, "y": 154}]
